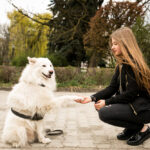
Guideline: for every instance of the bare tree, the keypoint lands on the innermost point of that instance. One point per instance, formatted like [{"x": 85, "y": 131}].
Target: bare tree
[{"x": 4, "y": 43}]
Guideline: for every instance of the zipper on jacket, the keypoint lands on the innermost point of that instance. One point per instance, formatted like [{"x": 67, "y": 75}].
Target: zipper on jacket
[{"x": 133, "y": 109}]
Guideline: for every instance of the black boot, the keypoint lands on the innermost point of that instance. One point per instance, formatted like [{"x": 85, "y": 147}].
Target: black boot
[
  {"x": 139, "y": 138},
  {"x": 125, "y": 134}
]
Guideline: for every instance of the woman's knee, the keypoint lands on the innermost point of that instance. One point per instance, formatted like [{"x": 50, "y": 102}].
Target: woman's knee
[{"x": 104, "y": 114}]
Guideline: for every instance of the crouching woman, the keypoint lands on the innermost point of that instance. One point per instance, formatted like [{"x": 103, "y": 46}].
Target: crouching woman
[{"x": 126, "y": 101}]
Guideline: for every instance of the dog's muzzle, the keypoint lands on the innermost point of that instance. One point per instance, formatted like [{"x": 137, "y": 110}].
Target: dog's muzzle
[{"x": 49, "y": 74}]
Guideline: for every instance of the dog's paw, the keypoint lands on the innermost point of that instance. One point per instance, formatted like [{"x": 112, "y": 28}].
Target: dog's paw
[
  {"x": 16, "y": 145},
  {"x": 78, "y": 98},
  {"x": 45, "y": 140},
  {"x": 47, "y": 108}
]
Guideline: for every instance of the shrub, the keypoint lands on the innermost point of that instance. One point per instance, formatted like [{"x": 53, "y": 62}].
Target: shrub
[
  {"x": 71, "y": 76},
  {"x": 19, "y": 60},
  {"x": 6, "y": 74},
  {"x": 64, "y": 74},
  {"x": 66, "y": 77},
  {"x": 58, "y": 60}
]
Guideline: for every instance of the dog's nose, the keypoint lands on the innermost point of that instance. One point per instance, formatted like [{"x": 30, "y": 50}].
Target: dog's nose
[{"x": 50, "y": 72}]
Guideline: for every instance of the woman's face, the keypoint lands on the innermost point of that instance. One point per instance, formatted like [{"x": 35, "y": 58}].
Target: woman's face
[{"x": 115, "y": 48}]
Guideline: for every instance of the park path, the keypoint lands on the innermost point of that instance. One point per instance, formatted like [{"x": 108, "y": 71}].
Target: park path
[{"x": 82, "y": 129}]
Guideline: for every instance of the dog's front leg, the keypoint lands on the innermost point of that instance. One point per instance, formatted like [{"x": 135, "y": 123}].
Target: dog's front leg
[{"x": 40, "y": 133}]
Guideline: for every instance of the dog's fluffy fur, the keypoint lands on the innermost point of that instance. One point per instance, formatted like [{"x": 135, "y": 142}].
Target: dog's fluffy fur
[{"x": 33, "y": 94}]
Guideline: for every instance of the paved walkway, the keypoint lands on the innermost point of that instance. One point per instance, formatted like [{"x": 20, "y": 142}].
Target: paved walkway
[{"x": 82, "y": 129}]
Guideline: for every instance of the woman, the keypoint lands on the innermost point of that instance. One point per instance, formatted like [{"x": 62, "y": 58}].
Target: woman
[{"x": 126, "y": 101}]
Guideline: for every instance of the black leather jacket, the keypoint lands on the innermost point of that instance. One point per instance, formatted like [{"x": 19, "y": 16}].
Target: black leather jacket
[{"x": 130, "y": 88}]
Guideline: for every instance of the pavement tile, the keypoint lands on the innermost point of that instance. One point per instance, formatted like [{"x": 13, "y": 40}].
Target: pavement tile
[{"x": 81, "y": 126}]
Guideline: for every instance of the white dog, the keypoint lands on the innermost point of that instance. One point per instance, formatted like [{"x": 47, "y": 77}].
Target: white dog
[{"x": 29, "y": 101}]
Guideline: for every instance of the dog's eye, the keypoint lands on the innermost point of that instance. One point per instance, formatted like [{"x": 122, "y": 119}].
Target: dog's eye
[
  {"x": 43, "y": 65},
  {"x": 50, "y": 65}
]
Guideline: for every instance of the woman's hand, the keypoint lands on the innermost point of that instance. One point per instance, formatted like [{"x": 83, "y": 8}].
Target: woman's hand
[
  {"x": 84, "y": 100},
  {"x": 100, "y": 104}
]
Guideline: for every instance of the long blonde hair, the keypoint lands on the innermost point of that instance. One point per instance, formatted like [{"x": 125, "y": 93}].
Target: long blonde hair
[{"x": 132, "y": 55}]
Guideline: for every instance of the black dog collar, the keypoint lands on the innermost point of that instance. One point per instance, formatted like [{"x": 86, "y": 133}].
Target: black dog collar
[
  {"x": 42, "y": 85},
  {"x": 36, "y": 116}
]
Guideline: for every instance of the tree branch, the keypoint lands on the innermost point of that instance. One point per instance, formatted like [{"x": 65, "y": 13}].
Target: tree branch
[{"x": 23, "y": 12}]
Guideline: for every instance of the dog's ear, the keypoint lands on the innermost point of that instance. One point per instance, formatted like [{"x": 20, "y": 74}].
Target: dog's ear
[{"x": 31, "y": 60}]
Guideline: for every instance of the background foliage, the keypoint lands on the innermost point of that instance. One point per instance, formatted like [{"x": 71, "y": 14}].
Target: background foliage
[
  {"x": 73, "y": 31},
  {"x": 142, "y": 33},
  {"x": 107, "y": 19},
  {"x": 69, "y": 24},
  {"x": 71, "y": 77},
  {"x": 27, "y": 38}
]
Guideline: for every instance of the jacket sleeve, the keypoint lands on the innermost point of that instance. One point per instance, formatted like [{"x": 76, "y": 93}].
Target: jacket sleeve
[
  {"x": 108, "y": 91},
  {"x": 131, "y": 92}
]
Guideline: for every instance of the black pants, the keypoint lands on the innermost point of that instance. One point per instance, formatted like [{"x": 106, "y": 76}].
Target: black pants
[{"x": 121, "y": 115}]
